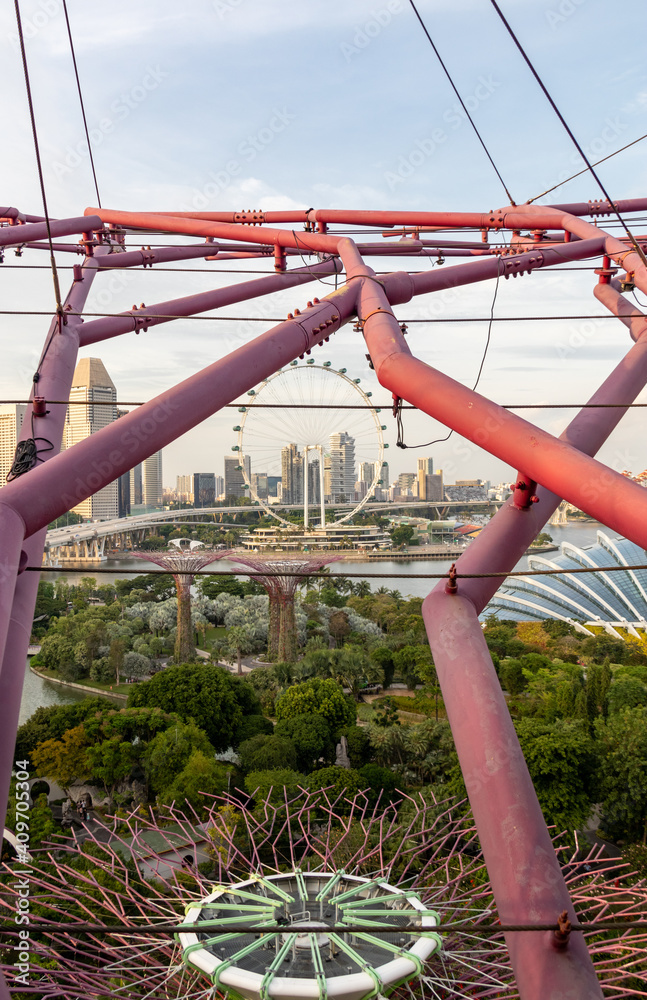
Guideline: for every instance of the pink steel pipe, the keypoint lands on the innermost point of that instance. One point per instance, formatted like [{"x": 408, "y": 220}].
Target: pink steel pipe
[
  {"x": 15, "y": 235},
  {"x": 46, "y": 492},
  {"x": 306, "y": 242},
  {"x": 18, "y": 595},
  {"x": 163, "y": 312},
  {"x": 526, "y": 879}
]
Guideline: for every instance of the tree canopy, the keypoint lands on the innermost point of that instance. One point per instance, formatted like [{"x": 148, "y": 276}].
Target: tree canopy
[{"x": 199, "y": 691}]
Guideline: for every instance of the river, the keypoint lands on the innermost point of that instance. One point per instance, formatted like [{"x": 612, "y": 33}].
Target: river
[{"x": 394, "y": 575}]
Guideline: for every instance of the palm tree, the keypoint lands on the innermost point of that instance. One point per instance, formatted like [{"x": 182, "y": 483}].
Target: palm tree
[{"x": 362, "y": 588}]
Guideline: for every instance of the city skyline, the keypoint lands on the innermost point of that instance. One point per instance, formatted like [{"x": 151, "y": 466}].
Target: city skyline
[{"x": 149, "y": 61}]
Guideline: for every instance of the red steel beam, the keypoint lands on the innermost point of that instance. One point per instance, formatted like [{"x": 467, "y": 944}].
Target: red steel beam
[
  {"x": 15, "y": 235},
  {"x": 163, "y": 312}
]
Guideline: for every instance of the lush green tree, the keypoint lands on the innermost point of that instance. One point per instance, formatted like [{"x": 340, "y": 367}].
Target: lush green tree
[
  {"x": 266, "y": 753},
  {"x": 331, "y": 597},
  {"x": 317, "y": 696},
  {"x": 337, "y": 781},
  {"x": 199, "y": 691},
  {"x": 169, "y": 751},
  {"x": 383, "y": 657},
  {"x": 353, "y": 669},
  {"x": 154, "y": 586},
  {"x": 556, "y": 628},
  {"x": 64, "y": 760},
  {"x": 311, "y": 737},
  {"x": 413, "y": 663},
  {"x": 238, "y": 642},
  {"x": 623, "y": 773},
  {"x": 252, "y": 725},
  {"x": 359, "y": 747},
  {"x": 386, "y": 714},
  {"x": 402, "y": 535},
  {"x": 562, "y": 761},
  {"x": 379, "y": 782},
  {"x": 136, "y": 666},
  {"x": 276, "y": 784},
  {"x": 49, "y": 605},
  {"x": 339, "y": 626},
  {"x": 627, "y": 692},
  {"x": 513, "y": 680},
  {"x": 110, "y": 762},
  {"x": 602, "y": 647},
  {"x": 200, "y": 778},
  {"x": 49, "y": 722}
]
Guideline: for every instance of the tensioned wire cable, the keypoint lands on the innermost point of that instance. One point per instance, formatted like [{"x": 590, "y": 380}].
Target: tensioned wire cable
[
  {"x": 78, "y": 86},
  {"x": 144, "y": 315},
  {"x": 458, "y": 927},
  {"x": 32, "y": 116},
  {"x": 586, "y": 169},
  {"x": 322, "y": 573},
  {"x": 569, "y": 131},
  {"x": 462, "y": 102}
]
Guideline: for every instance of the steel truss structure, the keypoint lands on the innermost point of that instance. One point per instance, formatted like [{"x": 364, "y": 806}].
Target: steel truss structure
[
  {"x": 416, "y": 843},
  {"x": 526, "y": 879}
]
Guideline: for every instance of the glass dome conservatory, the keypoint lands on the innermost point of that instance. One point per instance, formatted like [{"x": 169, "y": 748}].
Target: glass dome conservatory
[{"x": 614, "y": 599}]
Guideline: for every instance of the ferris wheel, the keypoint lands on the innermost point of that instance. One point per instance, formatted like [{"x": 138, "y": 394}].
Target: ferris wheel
[{"x": 313, "y": 427}]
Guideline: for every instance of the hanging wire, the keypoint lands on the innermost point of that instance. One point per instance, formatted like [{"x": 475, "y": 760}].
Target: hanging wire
[
  {"x": 586, "y": 169},
  {"x": 553, "y": 105},
  {"x": 455, "y": 89},
  {"x": 78, "y": 86},
  {"x": 57, "y": 291},
  {"x": 398, "y": 406}
]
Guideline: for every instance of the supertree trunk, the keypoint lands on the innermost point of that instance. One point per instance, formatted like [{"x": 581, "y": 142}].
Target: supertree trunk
[
  {"x": 184, "y": 644},
  {"x": 274, "y": 627},
  {"x": 288, "y": 629}
]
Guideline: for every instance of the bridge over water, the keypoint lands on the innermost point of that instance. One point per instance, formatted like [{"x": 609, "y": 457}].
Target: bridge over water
[{"x": 89, "y": 542}]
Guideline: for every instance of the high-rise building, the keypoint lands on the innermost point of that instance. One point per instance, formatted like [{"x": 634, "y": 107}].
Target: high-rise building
[
  {"x": 152, "y": 488},
  {"x": 234, "y": 479},
  {"x": 11, "y": 418},
  {"x": 204, "y": 489},
  {"x": 314, "y": 480},
  {"x": 260, "y": 485},
  {"x": 425, "y": 468},
  {"x": 291, "y": 474},
  {"x": 366, "y": 472},
  {"x": 219, "y": 486},
  {"x": 184, "y": 489},
  {"x": 146, "y": 488},
  {"x": 92, "y": 385},
  {"x": 136, "y": 493},
  {"x": 434, "y": 489},
  {"x": 339, "y": 476}
]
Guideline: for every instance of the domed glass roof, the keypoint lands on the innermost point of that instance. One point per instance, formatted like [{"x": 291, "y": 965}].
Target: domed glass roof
[{"x": 612, "y": 599}]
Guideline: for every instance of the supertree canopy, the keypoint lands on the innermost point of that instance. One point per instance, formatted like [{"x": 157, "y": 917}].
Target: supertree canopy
[
  {"x": 183, "y": 565},
  {"x": 331, "y": 883},
  {"x": 280, "y": 578}
]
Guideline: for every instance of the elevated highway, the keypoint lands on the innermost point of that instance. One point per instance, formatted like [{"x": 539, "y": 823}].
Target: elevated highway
[{"x": 89, "y": 542}]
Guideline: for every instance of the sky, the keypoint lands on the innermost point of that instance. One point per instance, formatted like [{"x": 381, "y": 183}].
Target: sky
[{"x": 237, "y": 104}]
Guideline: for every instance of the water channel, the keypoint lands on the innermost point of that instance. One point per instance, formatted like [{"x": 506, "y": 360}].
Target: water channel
[{"x": 394, "y": 575}]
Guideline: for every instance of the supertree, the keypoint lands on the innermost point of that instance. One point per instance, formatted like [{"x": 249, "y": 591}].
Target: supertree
[
  {"x": 280, "y": 578},
  {"x": 416, "y": 843},
  {"x": 183, "y": 565}
]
